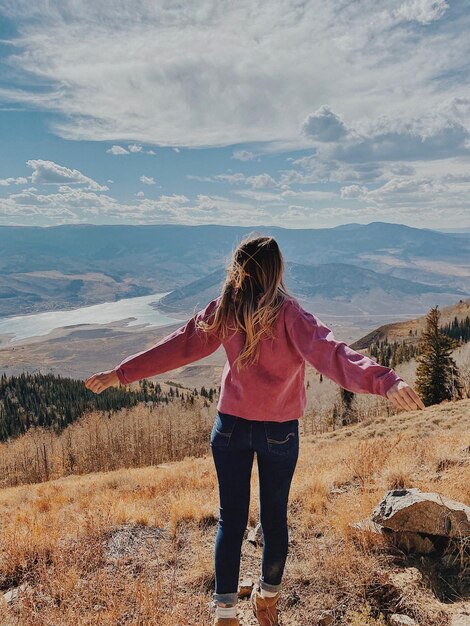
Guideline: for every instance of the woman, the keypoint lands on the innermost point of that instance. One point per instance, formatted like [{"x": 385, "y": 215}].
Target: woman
[{"x": 267, "y": 337}]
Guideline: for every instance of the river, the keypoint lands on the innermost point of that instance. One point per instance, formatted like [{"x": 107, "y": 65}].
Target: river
[{"x": 135, "y": 310}]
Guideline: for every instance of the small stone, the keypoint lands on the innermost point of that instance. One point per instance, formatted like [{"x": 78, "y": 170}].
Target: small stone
[
  {"x": 401, "y": 620},
  {"x": 13, "y": 594},
  {"x": 461, "y": 617},
  {"x": 325, "y": 620},
  {"x": 255, "y": 535},
  {"x": 245, "y": 588}
]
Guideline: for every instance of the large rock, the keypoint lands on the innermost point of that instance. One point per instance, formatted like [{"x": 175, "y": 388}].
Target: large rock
[
  {"x": 416, "y": 511},
  {"x": 404, "y": 540}
]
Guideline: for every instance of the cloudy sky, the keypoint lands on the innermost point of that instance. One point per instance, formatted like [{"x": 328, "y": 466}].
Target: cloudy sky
[{"x": 297, "y": 113}]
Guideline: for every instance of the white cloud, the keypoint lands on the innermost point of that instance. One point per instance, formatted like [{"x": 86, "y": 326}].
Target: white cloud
[
  {"x": 243, "y": 155},
  {"x": 422, "y": 196},
  {"x": 117, "y": 150},
  {"x": 132, "y": 149},
  {"x": 48, "y": 172},
  {"x": 423, "y": 11},
  {"x": 324, "y": 125},
  {"x": 147, "y": 180},
  {"x": 19, "y": 180},
  {"x": 394, "y": 138},
  {"x": 354, "y": 191},
  {"x": 247, "y": 73},
  {"x": 261, "y": 180},
  {"x": 77, "y": 205}
]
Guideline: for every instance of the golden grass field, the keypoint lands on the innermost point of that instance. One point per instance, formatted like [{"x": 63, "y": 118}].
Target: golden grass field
[{"x": 135, "y": 546}]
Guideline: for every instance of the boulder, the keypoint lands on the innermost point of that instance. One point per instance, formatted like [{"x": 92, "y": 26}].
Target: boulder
[
  {"x": 411, "y": 510},
  {"x": 404, "y": 540}
]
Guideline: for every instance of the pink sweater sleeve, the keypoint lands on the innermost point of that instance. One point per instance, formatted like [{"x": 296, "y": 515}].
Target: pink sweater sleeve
[
  {"x": 184, "y": 345},
  {"x": 351, "y": 370}
]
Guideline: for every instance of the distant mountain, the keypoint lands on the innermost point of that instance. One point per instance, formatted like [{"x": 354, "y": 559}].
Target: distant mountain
[
  {"x": 453, "y": 230},
  {"x": 50, "y": 268},
  {"x": 347, "y": 226},
  {"x": 329, "y": 281}
]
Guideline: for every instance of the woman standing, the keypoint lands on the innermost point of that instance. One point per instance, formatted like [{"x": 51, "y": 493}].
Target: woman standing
[{"x": 267, "y": 337}]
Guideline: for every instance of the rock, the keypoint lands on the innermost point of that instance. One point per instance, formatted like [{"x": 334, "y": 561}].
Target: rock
[
  {"x": 404, "y": 540},
  {"x": 410, "y": 542},
  {"x": 255, "y": 535},
  {"x": 367, "y": 525},
  {"x": 401, "y": 620},
  {"x": 326, "y": 620},
  {"x": 245, "y": 588},
  {"x": 12, "y": 594},
  {"x": 415, "y": 511},
  {"x": 462, "y": 619},
  {"x": 133, "y": 542}
]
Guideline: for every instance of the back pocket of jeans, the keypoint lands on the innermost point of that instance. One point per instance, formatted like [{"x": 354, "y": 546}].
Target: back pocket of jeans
[
  {"x": 223, "y": 428},
  {"x": 282, "y": 437}
]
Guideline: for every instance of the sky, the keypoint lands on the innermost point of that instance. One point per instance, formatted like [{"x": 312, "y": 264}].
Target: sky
[{"x": 294, "y": 113}]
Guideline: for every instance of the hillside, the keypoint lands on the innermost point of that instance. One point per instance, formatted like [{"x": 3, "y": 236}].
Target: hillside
[
  {"x": 398, "y": 331},
  {"x": 331, "y": 281},
  {"x": 135, "y": 546},
  {"x": 54, "y": 402}
]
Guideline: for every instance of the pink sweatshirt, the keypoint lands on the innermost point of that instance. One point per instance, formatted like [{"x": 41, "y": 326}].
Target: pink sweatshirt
[{"x": 272, "y": 389}]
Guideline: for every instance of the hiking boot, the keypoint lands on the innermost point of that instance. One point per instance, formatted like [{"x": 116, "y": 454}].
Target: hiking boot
[
  {"x": 265, "y": 609},
  {"x": 226, "y": 621}
]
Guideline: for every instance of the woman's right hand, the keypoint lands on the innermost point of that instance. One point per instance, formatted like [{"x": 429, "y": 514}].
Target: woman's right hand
[{"x": 404, "y": 397}]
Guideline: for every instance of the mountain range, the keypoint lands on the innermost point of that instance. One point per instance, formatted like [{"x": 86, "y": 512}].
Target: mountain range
[{"x": 46, "y": 268}]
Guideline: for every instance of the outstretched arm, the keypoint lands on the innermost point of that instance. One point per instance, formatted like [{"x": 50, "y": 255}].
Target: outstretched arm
[
  {"x": 184, "y": 345},
  {"x": 346, "y": 367}
]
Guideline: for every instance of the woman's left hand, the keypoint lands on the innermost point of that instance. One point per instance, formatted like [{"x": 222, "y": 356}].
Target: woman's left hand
[
  {"x": 404, "y": 397},
  {"x": 101, "y": 381}
]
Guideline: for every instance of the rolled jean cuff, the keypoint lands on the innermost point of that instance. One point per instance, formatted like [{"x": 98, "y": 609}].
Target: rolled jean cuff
[
  {"x": 268, "y": 587},
  {"x": 226, "y": 598}
]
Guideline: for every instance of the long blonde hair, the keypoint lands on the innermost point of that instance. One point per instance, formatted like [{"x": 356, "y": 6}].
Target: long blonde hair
[{"x": 252, "y": 294}]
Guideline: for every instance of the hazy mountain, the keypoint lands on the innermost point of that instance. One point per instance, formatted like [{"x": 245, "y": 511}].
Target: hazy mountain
[
  {"x": 47, "y": 268},
  {"x": 330, "y": 280},
  {"x": 453, "y": 230},
  {"x": 332, "y": 290}
]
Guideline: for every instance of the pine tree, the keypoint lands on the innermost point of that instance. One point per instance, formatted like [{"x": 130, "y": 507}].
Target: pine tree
[
  {"x": 437, "y": 374},
  {"x": 349, "y": 413}
]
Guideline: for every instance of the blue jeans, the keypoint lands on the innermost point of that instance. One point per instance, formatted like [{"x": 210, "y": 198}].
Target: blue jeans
[{"x": 234, "y": 441}]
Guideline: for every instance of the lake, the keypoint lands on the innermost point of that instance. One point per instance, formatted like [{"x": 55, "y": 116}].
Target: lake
[{"x": 134, "y": 310}]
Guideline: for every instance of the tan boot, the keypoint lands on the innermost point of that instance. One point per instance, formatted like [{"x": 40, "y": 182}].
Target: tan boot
[
  {"x": 265, "y": 609},
  {"x": 226, "y": 621}
]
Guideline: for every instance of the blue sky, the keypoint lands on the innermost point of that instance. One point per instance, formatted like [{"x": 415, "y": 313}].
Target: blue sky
[{"x": 276, "y": 112}]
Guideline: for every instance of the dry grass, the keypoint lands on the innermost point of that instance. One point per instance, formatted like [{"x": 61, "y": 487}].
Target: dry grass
[
  {"x": 135, "y": 546},
  {"x": 134, "y": 437}
]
